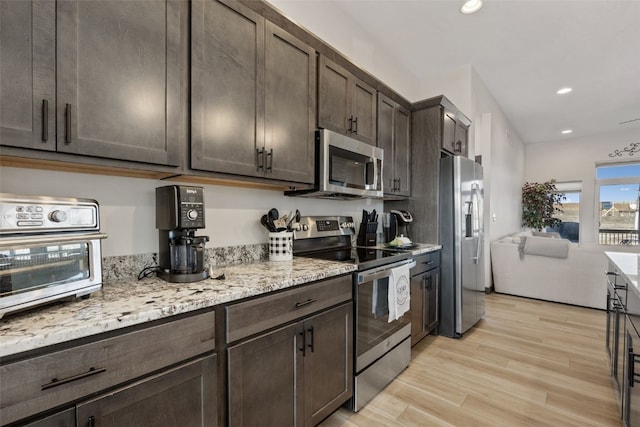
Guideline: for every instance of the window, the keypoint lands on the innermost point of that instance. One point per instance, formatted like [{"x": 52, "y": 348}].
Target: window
[
  {"x": 570, "y": 215},
  {"x": 618, "y": 187}
]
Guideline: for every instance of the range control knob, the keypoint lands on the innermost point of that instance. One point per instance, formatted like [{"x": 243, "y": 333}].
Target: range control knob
[
  {"x": 58, "y": 216},
  {"x": 346, "y": 225},
  {"x": 305, "y": 227},
  {"x": 192, "y": 214}
]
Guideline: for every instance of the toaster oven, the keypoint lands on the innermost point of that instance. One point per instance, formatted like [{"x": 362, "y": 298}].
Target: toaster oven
[{"x": 50, "y": 249}]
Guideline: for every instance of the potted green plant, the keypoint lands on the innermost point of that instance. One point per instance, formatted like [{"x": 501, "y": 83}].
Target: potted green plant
[{"x": 540, "y": 201}]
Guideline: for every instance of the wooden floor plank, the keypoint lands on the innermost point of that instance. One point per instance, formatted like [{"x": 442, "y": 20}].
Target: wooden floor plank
[{"x": 527, "y": 363}]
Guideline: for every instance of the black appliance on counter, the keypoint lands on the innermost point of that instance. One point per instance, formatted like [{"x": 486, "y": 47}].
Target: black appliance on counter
[
  {"x": 179, "y": 213},
  {"x": 382, "y": 349},
  {"x": 398, "y": 224}
]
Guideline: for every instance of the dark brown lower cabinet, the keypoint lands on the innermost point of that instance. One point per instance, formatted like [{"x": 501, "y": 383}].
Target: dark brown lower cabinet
[
  {"x": 296, "y": 375},
  {"x": 425, "y": 295},
  {"x": 180, "y": 397},
  {"x": 66, "y": 418}
]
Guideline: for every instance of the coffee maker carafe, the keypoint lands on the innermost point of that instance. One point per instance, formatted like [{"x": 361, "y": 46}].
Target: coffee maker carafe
[
  {"x": 179, "y": 213},
  {"x": 398, "y": 224}
]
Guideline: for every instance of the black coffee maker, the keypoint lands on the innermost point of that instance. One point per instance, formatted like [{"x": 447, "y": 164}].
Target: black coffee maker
[
  {"x": 398, "y": 224},
  {"x": 179, "y": 213}
]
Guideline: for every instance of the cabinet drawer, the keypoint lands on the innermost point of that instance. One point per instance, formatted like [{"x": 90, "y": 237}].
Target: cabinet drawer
[
  {"x": 426, "y": 262},
  {"x": 34, "y": 385},
  {"x": 262, "y": 313}
]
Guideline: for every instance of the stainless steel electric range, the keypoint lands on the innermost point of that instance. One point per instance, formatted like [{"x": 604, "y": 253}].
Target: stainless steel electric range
[{"x": 382, "y": 349}]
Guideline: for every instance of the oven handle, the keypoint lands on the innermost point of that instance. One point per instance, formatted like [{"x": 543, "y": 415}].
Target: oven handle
[
  {"x": 382, "y": 272},
  {"x": 54, "y": 238}
]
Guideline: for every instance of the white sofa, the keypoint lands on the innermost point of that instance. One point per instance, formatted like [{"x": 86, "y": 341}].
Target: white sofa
[{"x": 578, "y": 279}]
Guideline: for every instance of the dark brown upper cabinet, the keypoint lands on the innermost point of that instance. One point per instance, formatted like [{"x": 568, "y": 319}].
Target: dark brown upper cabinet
[
  {"x": 28, "y": 74},
  {"x": 346, "y": 104},
  {"x": 253, "y": 95},
  {"x": 454, "y": 134},
  {"x": 119, "y": 79},
  {"x": 394, "y": 138},
  {"x": 97, "y": 78}
]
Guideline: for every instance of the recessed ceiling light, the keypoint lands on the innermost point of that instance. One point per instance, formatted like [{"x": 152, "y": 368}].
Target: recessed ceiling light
[
  {"x": 471, "y": 6},
  {"x": 567, "y": 131},
  {"x": 564, "y": 91}
]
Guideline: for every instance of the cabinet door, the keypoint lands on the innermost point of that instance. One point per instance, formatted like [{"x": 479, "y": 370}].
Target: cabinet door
[
  {"x": 66, "y": 418},
  {"x": 631, "y": 405},
  {"x": 181, "y": 397},
  {"x": 431, "y": 297},
  {"x": 227, "y": 83},
  {"x": 328, "y": 362},
  {"x": 27, "y": 74},
  {"x": 402, "y": 141},
  {"x": 386, "y": 125},
  {"x": 448, "y": 132},
  {"x": 264, "y": 376},
  {"x": 290, "y": 99},
  {"x": 334, "y": 97},
  {"x": 417, "y": 308},
  {"x": 461, "y": 140},
  {"x": 364, "y": 112},
  {"x": 119, "y": 79}
]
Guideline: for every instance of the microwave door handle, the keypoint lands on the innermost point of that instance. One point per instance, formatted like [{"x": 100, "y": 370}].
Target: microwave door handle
[{"x": 375, "y": 172}]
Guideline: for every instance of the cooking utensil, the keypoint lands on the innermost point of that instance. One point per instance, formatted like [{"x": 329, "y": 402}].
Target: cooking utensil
[{"x": 266, "y": 223}]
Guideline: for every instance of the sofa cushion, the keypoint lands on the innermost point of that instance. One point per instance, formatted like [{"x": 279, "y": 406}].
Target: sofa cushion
[
  {"x": 544, "y": 246},
  {"x": 551, "y": 234}
]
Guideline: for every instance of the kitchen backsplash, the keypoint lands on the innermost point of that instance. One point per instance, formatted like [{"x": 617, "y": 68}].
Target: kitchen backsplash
[{"x": 128, "y": 266}]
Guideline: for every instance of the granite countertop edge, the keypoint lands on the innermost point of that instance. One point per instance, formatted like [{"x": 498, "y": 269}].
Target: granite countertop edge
[{"x": 130, "y": 302}]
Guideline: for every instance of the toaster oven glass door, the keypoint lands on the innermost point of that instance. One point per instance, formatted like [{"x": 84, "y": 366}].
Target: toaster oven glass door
[{"x": 32, "y": 267}]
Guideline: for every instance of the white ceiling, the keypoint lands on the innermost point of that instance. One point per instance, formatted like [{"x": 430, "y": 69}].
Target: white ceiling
[{"x": 523, "y": 50}]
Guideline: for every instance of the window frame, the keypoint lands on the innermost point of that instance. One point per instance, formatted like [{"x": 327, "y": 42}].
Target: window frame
[{"x": 604, "y": 182}]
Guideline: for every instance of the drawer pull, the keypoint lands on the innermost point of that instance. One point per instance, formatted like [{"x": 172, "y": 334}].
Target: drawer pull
[
  {"x": 56, "y": 382},
  {"x": 611, "y": 273},
  {"x": 307, "y": 302},
  {"x": 91, "y": 422}
]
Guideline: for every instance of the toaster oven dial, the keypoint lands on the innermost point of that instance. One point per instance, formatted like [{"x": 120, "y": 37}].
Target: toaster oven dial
[{"x": 58, "y": 216}]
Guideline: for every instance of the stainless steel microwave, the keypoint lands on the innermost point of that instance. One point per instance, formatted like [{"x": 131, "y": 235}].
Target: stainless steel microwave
[
  {"x": 50, "y": 248},
  {"x": 345, "y": 168}
]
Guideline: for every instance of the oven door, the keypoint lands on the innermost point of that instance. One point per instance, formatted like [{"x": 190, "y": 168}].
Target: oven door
[
  {"x": 39, "y": 269},
  {"x": 375, "y": 335}
]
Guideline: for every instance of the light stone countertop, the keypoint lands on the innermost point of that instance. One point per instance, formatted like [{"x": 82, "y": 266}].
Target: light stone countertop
[
  {"x": 628, "y": 265},
  {"x": 130, "y": 302}
]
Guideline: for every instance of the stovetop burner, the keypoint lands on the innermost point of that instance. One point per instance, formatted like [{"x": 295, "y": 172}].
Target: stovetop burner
[{"x": 329, "y": 238}]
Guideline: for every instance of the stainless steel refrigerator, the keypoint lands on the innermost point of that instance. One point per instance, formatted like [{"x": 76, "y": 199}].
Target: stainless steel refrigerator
[{"x": 461, "y": 236}]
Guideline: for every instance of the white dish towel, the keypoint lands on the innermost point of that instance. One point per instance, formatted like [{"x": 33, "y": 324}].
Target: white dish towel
[{"x": 399, "y": 291}]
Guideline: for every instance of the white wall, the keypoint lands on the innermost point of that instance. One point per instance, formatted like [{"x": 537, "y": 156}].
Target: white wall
[
  {"x": 574, "y": 159},
  {"x": 127, "y": 207},
  {"x": 344, "y": 34}
]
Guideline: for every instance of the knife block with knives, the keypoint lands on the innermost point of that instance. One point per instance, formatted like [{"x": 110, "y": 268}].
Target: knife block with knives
[{"x": 367, "y": 234}]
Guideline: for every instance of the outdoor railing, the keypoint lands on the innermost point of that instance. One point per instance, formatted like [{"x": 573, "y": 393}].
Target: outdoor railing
[{"x": 610, "y": 236}]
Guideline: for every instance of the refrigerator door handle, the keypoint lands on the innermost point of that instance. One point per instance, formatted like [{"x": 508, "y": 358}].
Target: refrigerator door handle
[{"x": 475, "y": 220}]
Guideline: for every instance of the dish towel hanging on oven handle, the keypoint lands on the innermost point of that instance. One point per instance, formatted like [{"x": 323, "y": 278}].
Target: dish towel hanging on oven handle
[{"x": 399, "y": 291}]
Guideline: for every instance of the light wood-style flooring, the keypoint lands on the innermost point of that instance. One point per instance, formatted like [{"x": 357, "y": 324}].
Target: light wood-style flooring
[{"x": 527, "y": 363}]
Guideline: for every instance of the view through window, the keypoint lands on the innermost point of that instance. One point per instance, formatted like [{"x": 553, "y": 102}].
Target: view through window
[
  {"x": 570, "y": 215},
  {"x": 619, "y": 191}
]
